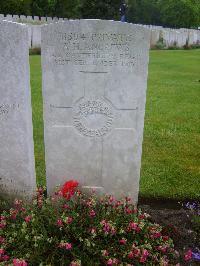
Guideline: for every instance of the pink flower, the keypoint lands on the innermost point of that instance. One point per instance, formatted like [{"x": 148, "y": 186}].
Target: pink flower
[
  {"x": 136, "y": 252},
  {"x": 106, "y": 228},
  {"x": 128, "y": 199},
  {"x": 40, "y": 191},
  {"x": 188, "y": 255},
  {"x": 143, "y": 259},
  {"x": 28, "y": 218},
  {"x": 92, "y": 231},
  {"x": 68, "y": 246},
  {"x": 103, "y": 222},
  {"x": 2, "y": 251},
  {"x": 156, "y": 235},
  {"x": 2, "y": 240},
  {"x": 131, "y": 255},
  {"x": 113, "y": 231},
  {"x": 115, "y": 261},
  {"x": 122, "y": 241},
  {"x": 2, "y": 224},
  {"x": 5, "y": 257},
  {"x": 2, "y": 218},
  {"x": 18, "y": 203},
  {"x": 66, "y": 207},
  {"x": 163, "y": 249},
  {"x": 111, "y": 199},
  {"x": 134, "y": 226},
  {"x": 128, "y": 211},
  {"x": 145, "y": 253},
  {"x": 17, "y": 262},
  {"x": 13, "y": 214},
  {"x": 92, "y": 213},
  {"x": 109, "y": 262},
  {"x": 59, "y": 223}
]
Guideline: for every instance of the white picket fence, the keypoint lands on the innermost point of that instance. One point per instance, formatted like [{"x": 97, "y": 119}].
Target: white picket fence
[{"x": 170, "y": 37}]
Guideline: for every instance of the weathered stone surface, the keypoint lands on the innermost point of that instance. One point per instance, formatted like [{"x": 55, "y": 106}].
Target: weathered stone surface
[
  {"x": 36, "y": 36},
  {"x": 17, "y": 172},
  {"x": 9, "y": 17},
  {"x": 94, "y": 90}
]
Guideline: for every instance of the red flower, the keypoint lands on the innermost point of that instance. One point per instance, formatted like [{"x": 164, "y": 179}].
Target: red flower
[
  {"x": 28, "y": 218},
  {"x": 122, "y": 241},
  {"x": 68, "y": 189}
]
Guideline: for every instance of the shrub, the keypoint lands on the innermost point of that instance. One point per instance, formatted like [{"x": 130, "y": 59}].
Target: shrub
[
  {"x": 35, "y": 51},
  {"x": 160, "y": 45},
  {"x": 72, "y": 228}
]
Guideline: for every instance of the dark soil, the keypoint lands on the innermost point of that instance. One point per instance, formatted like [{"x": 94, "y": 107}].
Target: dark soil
[{"x": 177, "y": 223}]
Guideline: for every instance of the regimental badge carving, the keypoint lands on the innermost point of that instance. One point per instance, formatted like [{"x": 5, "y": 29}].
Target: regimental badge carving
[{"x": 93, "y": 118}]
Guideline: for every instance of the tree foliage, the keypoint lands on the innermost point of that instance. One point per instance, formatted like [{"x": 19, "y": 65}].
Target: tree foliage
[{"x": 171, "y": 13}]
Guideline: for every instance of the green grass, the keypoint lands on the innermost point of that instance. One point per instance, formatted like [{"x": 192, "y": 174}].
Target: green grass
[
  {"x": 37, "y": 105},
  {"x": 171, "y": 147}
]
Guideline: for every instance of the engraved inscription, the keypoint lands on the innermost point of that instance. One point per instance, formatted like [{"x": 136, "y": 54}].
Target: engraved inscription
[
  {"x": 9, "y": 186},
  {"x": 7, "y": 108},
  {"x": 93, "y": 118},
  {"x": 96, "y": 49}
]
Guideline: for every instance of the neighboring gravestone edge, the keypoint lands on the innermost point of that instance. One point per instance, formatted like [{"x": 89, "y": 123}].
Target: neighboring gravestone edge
[{"x": 17, "y": 166}]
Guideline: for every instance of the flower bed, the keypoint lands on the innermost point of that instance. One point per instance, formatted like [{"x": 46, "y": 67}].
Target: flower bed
[{"x": 71, "y": 228}]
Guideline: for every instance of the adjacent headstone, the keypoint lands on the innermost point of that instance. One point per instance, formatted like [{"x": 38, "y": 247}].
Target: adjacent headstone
[
  {"x": 15, "y": 18},
  {"x": 94, "y": 90},
  {"x": 29, "y": 18},
  {"x": 9, "y": 17},
  {"x": 36, "y": 36},
  {"x": 55, "y": 19},
  {"x": 43, "y": 19},
  {"x": 49, "y": 19},
  {"x": 36, "y": 18},
  {"x": 154, "y": 37},
  {"x": 17, "y": 171},
  {"x": 29, "y": 35},
  {"x": 23, "y": 18}
]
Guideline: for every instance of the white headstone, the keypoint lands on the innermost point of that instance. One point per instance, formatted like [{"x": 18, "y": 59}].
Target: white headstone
[
  {"x": 36, "y": 18},
  {"x": 9, "y": 17},
  {"x": 94, "y": 90},
  {"x": 15, "y": 18},
  {"x": 55, "y": 19},
  {"x": 2, "y": 17},
  {"x": 29, "y": 35},
  {"x": 29, "y": 18},
  {"x": 49, "y": 19},
  {"x": 155, "y": 34},
  {"x": 43, "y": 19},
  {"x": 23, "y": 18},
  {"x": 36, "y": 36},
  {"x": 17, "y": 170}
]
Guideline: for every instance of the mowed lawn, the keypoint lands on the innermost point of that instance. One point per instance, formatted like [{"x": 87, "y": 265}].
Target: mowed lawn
[{"x": 171, "y": 147}]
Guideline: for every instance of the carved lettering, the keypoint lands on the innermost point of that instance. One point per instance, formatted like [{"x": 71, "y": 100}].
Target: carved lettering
[
  {"x": 6, "y": 108},
  {"x": 95, "y": 49}
]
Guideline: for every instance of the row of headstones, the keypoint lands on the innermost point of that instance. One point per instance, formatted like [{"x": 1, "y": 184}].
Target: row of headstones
[
  {"x": 169, "y": 37},
  {"x": 172, "y": 37},
  {"x": 30, "y": 19},
  {"x": 94, "y": 91}
]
